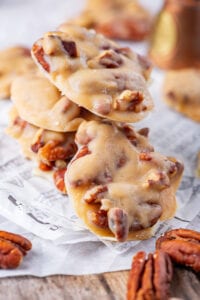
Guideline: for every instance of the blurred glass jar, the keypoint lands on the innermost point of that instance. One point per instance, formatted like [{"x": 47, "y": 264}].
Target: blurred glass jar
[{"x": 175, "y": 41}]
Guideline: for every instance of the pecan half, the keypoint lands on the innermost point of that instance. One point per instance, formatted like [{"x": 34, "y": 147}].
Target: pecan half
[
  {"x": 12, "y": 249},
  {"x": 150, "y": 276},
  {"x": 118, "y": 223},
  {"x": 58, "y": 177},
  {"x": 183, "y": 246},
  {"x": 38, "y": 51}
]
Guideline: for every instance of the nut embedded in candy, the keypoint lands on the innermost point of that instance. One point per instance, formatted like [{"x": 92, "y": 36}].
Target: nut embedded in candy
[{"x": 110, "y": 181}]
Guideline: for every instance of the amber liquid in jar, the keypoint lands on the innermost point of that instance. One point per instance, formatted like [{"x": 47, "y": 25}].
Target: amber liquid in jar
[{"x": 175, "y": 42}]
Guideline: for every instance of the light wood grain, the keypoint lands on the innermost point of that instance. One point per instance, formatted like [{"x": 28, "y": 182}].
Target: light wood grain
[{"x": 109, "y": 286}]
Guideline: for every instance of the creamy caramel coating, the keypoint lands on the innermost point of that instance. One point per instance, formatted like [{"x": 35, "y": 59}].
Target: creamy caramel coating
[
  {"x": 121, "y": 19},
  {"x": 119, "y": 189},
  {"x": 182, "y": 92},
  {"x": 96, "y": 73},
  {"x": 40, "y": 103},
  {"x": 22, "y": 131},
  {"x": 13, "y": 62}
]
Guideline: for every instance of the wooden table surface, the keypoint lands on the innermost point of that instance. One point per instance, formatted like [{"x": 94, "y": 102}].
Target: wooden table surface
[{"x": 108, "y": 286}]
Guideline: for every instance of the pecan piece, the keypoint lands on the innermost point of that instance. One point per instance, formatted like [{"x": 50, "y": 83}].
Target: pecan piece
[
  {"x": 12, "y": 249},
  {"x": 82, "y": 152},
  {"x": 70, "y": 48},
  {"x": 20, "y": 123},
  {"x": 130, "y": 134},
  {"x": 145, "y": 156},
  {"x": 58, "y": 177},
  {"x": 44, "y": 167},
  {"x": 183, "y": 246},
  {"x": 38, "y": 51},
  {"x": 176, "y": 167},
  {"x": 122, "y": 160},
  {"x": 150, "y": 276},
  {"x": 53, "y": 151},
  {"x": 110, "y": 59},
  {"x": 118, "y": 223},
  {"x": 130, "y": 101},
  {"x": 95, "y": 194},
  {"x": 144, "y": 131},
  {"x": 36, "y": 146},
  {"x": 157, "y": 180},
  {"x": 137, "y": 139},
  {"x": 99, "y": 218},
  {"x": 38, "y": 140}
]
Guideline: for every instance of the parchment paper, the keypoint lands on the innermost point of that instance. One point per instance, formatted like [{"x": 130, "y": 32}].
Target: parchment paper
[{"x": 31, "y": 206}]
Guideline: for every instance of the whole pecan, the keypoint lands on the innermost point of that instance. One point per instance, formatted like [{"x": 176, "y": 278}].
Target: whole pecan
[
  {"x": 183, "y": 246},
  {"x": 150, "y": 276},
  {"x": 12, "y": 249}
]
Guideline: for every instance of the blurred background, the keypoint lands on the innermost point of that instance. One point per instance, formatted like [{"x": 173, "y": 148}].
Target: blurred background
[{"x": 23, "y": 21}]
